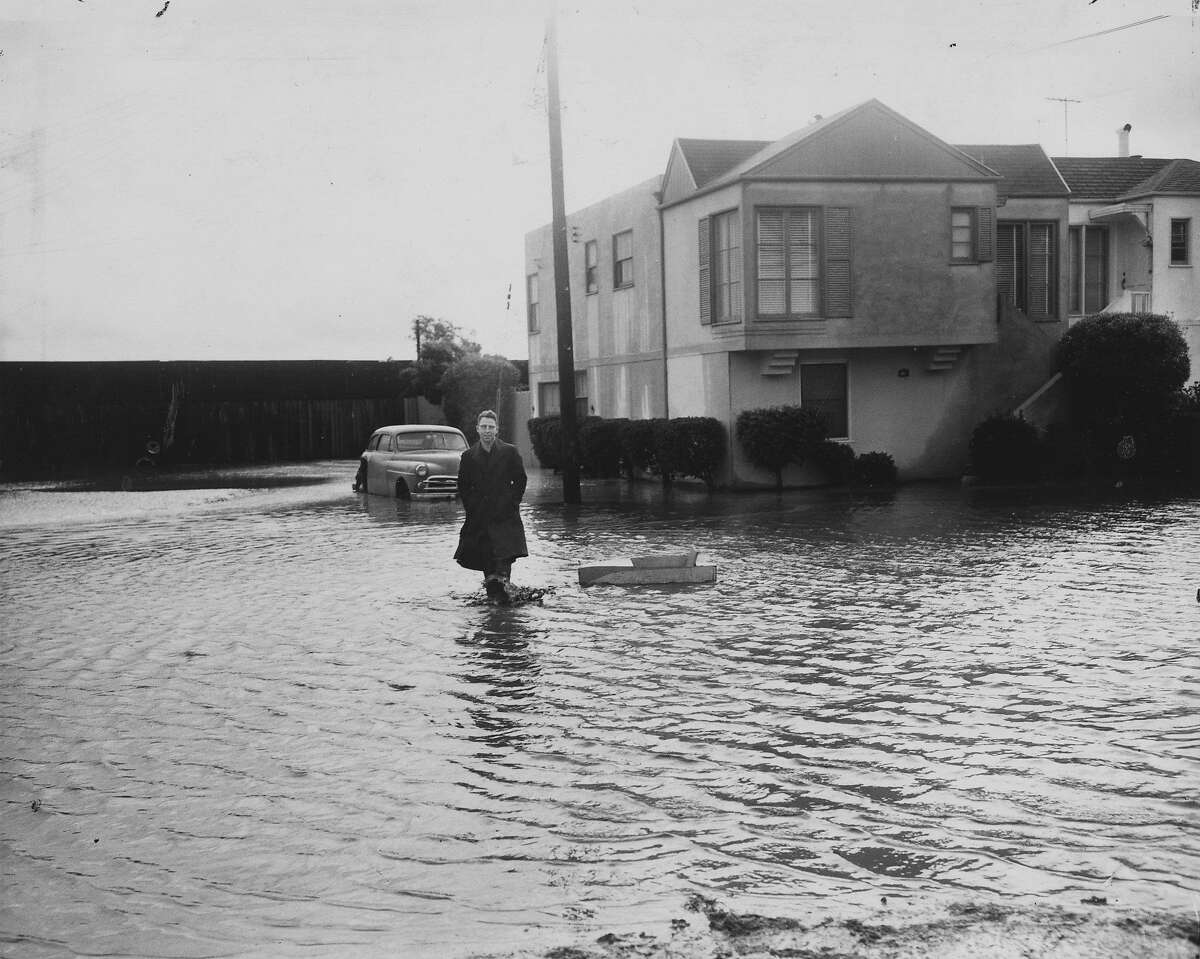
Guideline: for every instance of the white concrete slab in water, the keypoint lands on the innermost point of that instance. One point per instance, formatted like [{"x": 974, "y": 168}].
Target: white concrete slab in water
[{"x": 648, "y": 570}]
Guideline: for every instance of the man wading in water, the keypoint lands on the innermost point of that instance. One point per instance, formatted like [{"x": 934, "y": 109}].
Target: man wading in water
[{"x": 491, "y": 482}]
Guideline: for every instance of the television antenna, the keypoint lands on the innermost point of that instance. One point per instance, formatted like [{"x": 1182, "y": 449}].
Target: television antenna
[{"x": 1065, "y": 101}]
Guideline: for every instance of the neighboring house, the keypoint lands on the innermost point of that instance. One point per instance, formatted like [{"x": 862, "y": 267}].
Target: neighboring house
[
  {"x": 616, "y": 306},
  {"x": 861, "y": 267},
  {"x": 1133, "y": 231}
]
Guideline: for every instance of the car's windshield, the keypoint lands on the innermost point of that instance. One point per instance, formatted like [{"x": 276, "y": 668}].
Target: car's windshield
[
  {"x": 407, "y": 442},
  {"x": 415, "y": 441}
]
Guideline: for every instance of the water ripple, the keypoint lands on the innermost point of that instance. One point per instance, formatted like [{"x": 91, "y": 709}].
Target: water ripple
[{"x": 280, "y": 723}]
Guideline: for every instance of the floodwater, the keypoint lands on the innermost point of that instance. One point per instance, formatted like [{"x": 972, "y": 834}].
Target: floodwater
[{"x": 277, "y": 720}]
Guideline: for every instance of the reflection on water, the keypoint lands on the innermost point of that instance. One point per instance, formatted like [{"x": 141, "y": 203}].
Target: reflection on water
[{"x": 277, "y": 721}]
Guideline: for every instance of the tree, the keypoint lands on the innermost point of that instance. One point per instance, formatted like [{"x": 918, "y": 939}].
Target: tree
[
  {"x": 476, "y": 383},
  {"x": 439, "y": 346}
]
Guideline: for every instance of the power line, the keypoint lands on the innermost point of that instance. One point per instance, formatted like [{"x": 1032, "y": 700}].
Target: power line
[{"x": 1101, "y": 33}]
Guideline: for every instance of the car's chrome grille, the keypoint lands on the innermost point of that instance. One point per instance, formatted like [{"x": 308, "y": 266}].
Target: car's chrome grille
[{"x": 440, "y": 484}]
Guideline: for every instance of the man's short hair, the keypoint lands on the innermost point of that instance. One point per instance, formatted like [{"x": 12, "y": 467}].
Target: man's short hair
[{"x": 483, "y": 413}]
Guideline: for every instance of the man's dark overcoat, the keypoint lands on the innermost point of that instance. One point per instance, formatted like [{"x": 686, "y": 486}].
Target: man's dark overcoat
[{"x": 491, "y": 486}]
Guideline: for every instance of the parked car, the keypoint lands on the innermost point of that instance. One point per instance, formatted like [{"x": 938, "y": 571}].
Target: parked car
[{"x": 413, "y": 461}]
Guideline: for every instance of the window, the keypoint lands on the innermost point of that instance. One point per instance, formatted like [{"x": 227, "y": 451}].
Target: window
[
  {"x": 823, "y": 390},
  {"x": 591, "y": 262},
  {"x": 1181, "y": 247},
  {"x": 962, "y": 236},
  {"x": 727, "y": 267},
  {"x": 789, "y": 271},
  {"x": 531, "y": 301},
  {"x": 721, "y": 268},
  {"x": 623, "y": 260},
  {"x": 1088, "y": 269},
  {"x": 971, "y": 239},
  {"x": 415, "y": 441},
  {"x": 550, "y": 399},
  {"x": 802, "y": 259},
  {"x": 1027, "y": 267}
]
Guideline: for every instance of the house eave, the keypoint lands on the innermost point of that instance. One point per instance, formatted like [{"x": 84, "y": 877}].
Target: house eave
[
  {"x": 828, "y": 178},
  {"x": 1138, "y": 211}
]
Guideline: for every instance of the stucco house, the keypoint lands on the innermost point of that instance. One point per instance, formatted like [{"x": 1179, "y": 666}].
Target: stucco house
[
  {"x": 902, "y": 286},
  {"x": 1133, "y": 223}
]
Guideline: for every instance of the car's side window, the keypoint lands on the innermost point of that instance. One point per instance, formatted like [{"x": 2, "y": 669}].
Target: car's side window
[
  {"x": 374, "y": 443},
  {"x": 385, "y": 445}
]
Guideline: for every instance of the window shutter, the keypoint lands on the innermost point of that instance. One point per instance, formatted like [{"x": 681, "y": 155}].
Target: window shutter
[
  {"x": 985, "y": 228},
  {"x": 705, "y": 272},
  {"x": 1041, "y": 270},
  {"x": 837, "y": 261}
]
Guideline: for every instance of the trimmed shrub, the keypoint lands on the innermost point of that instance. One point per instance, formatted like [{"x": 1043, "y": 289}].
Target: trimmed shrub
[
  {"x": 779, "y": 436},
  {"x": 545, "y": 434},
  {"x": 638, "y": 447},
  {"x": 600, "y": 446},
  {"x": 875, "y": 469},
  {"x": 1006, "y": 449},
  {"x": 691, "y": 446},
  {"x": 1122, "y": 370},
  {"x": 836, "y": 460}
]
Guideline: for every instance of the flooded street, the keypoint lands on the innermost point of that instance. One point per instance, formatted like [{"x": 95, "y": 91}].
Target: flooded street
[{"x": 279, "y": 721}]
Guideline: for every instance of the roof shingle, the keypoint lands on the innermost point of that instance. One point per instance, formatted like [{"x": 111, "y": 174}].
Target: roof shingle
[
  {"x": 708, "y": 159},
  {"x": 1026, "y": 169},
  {"x": 1106, "y": 178}
]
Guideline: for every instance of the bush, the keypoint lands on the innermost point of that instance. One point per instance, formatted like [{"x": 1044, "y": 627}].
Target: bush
[
  {"x": 690, "y": 446},
  {"x": 779, "y": 436},
  {"x": 1006, "y": 449},
  {"x": 600, "y": 446},
  {"x": 875, "y": 469},
  {"x": 477, "y": 383},
  {"x": 836, "y": 461},
  {"x": 545, "y": 434},
  {"x": 1122, "y": 370},
  {"x": 638, "y": 447}
]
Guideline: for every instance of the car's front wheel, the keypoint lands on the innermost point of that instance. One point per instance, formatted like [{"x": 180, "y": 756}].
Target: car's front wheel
[{"x": 402, "y": 491}]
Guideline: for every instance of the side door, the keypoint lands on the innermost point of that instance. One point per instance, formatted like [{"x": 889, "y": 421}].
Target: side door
[{"x": 376, "y": 455}]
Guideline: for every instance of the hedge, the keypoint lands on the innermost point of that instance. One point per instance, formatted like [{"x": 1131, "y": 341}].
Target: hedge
[{"x": 685, "y": 446}]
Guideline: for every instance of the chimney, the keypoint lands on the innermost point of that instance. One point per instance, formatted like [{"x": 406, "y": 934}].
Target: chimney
[{"x": 1123, "y": 140}]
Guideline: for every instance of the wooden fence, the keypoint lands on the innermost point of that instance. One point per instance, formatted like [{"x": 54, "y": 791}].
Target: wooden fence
[{"x": 76, "y": 419}]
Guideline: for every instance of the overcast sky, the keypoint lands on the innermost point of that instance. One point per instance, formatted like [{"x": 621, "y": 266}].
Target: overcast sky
[{"x": 298, "y": 179}]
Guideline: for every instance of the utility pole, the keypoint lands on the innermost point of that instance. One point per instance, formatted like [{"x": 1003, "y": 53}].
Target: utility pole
[
  {"x": 562, "y": 275},
  {"x": 417, "y": 335},
  {"x": 1064, "y": 101}
]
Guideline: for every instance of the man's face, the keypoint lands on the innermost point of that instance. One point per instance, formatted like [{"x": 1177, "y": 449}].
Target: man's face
[{"x": 487, "y": 431}]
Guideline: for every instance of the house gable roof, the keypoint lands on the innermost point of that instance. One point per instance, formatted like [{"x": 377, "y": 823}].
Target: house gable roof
[
  {"x": 868, "y": 141},
  {"x": 694, "y": 163},
  {"x": 1026, "y": 169},
  {"x": 708, "y": 159},
  {"x": 1106, "y": 178},
  {"x": 1178, "y": 177}
]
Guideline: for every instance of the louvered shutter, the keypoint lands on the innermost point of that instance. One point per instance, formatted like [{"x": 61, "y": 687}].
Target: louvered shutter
[
  {"x": 705, "y": 271},
  {"x": 837, "y": 261},
  {"x": 1009, "y": 262},
  {"x": 1041, "y": 270},
  {"x": 985, "y": 231},
  {"x": 771, "y": 266}
]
